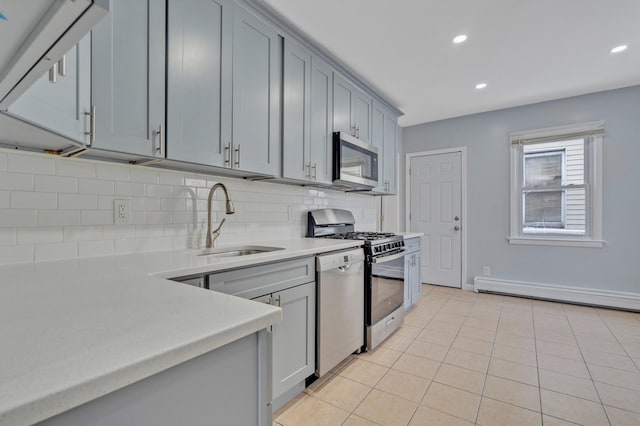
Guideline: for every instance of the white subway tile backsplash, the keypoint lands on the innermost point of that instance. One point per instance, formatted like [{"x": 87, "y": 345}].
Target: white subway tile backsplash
[
  {"x": 129, "y": 188},
  {"x": 78, "y": 201},
  {"x": 76, "y": 168},
  {"x": 158, "y": 218},
  {"x": 112, "y": 171},
  {"x": 158, "y": 191},
  {"x": 7, "y": 236},
  {"x": 55, "y": 184},
  {"x": 41, "y": 234},
  {"x": 96, "y": 217},
  {"x": 69, "y": 213},
  {"x": 96, "y": 248},
  {"x": 96, "y": 186},
  {"x": 16, "y": 181},
  {"x": 31, "y": 163},
  {"x": 33, "y": 200},
  {"x": 4, "y": 200},
  {"x": 118, "y": 232},
  {"x": 59, "y": 251},
  {"x": 82, "y": 233},
  {"x": 18, "y": 217},
  {"x": 143, "y": 174},
  {"x": 16, "y": 254}
]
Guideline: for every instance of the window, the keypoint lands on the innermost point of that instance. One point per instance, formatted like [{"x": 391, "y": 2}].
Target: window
[{"x": 556, "y": 186}]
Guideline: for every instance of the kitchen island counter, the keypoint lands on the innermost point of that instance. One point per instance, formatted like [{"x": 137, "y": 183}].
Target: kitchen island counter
[{"x": 73, "y": 331}]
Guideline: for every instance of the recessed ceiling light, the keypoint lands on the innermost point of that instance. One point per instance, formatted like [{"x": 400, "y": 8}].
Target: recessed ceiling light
[
  {"x": 619, "y": 49},
  {"x": 460, "y": 38},
  {"x": 481, "y": 85}
]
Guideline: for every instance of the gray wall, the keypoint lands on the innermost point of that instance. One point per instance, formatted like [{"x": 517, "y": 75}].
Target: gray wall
[{"x": 616, "y": 266}]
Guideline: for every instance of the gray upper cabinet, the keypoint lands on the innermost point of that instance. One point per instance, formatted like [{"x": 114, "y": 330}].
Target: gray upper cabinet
[
  {"x": 321, "y": 121},
  {"x": 383, "y": 136},
  {"x": 296, "y": 142},
  {"x": 351, "y": 109},
  {"x": 59, "y": 100},
  {"x": 199, "y": 95},
  {"x": 307, "y": 141},
  {"x": 128, "y": 78},
  {"x": 257, "y": 67}
]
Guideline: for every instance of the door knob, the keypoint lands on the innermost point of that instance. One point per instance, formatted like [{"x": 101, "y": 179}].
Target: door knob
[
  {"x": 456, "y": 218},
  {"x": 457, "y": 228}
]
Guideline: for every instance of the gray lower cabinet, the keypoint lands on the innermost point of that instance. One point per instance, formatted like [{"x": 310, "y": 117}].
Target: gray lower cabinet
[
  {"x": 199, "y": 95},
  {"x": 291, "y": 286},
  {"x": 307, "y": 139},
  {"x": 383, "y": 136},
  {"x": 59, "y": 100},
  {"x": 227, "y": 386},
  {"x": 351, "y": 109},
  {"x": 412, "y": 277},
  {"x": 257, "y": 67},
  {"x": 128, "y": 78},
  {"x": 294, "y": 338}
]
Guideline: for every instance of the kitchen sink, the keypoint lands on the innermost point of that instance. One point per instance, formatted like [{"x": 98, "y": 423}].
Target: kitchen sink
[{"x": 237, "y": 251}]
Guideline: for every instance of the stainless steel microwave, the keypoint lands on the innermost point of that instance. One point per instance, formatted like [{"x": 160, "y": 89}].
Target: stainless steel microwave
[{"x": 355, "y": 163}]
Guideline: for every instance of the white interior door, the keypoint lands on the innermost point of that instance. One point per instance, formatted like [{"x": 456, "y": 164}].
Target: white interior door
[{"x": 435, "y": 199}]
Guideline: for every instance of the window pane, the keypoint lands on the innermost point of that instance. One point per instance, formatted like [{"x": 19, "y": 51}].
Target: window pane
[
  {"x": 543, "y": 209},
  {"x": 543, "y": 169}
]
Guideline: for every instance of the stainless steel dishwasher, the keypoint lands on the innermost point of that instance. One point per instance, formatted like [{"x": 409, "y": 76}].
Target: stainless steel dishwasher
[{"x": 340, "y": 298}]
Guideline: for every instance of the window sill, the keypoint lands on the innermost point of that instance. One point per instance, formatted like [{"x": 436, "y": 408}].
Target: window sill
[{"x": 560, "y": 242}]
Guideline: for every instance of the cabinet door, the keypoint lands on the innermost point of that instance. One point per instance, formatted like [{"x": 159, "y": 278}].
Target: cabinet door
[
  {"x": 257, "y": 53},
  {"x": 296, "y": 132},
  {"x": 321, "y": 121},
  {"x": 416, "y": 281},
  {"x": 377, "y": 140},
  {"x": 389, "y": 153},
  {"x": 128, "y": 77},
  {"x": 362, "y": 115},
  {"x": 199, "y": 81},
  {"x": 61, "y": 106},
  {"x": 294, "y": 341},
  {"x": 343, "y": 100}
]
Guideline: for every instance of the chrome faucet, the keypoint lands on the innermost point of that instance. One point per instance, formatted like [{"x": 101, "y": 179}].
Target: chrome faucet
[{"x": 213, "y": 235}]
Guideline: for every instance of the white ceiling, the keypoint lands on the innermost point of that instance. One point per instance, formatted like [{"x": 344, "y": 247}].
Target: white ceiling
[{"x": 525, "y": 50}]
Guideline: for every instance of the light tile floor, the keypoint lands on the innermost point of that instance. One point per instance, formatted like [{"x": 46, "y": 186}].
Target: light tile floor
[{"x": 463, "y": 358}]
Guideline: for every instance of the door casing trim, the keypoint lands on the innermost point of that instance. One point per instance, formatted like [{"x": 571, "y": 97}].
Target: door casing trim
[{"x": 463, "y": 205}]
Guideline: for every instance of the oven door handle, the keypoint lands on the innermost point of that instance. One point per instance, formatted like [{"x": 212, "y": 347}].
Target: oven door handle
[{"x": 384, "y": 259}]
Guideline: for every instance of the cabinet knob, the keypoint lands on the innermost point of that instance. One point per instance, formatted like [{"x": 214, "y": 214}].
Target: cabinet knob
[
  {"x": 456, "y": 228},
  {"x": 456, "y": 218}
]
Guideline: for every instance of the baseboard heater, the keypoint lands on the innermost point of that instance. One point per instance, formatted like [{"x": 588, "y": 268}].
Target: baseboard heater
[{"x": 577, "y": 295}]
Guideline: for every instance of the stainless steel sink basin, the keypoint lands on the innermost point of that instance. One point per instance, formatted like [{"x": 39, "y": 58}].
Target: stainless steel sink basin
[{"x": 237, "y": 251}]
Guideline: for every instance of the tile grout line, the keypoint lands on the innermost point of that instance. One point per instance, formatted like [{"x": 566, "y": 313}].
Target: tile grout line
[
  {"x": 586, "y": 365},
  {"x": 619, "y": 343},
  {"x": 535, "y": 347}
]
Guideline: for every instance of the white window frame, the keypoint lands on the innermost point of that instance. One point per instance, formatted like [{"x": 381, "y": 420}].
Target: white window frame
[
  {"x": 593, "y": 132},
  {"x": 563, "y": 161}
]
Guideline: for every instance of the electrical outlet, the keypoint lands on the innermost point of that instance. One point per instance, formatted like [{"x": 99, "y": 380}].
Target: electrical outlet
[
  {"x": 121, "y": 211},
  {"x": 486, "y": 271}
]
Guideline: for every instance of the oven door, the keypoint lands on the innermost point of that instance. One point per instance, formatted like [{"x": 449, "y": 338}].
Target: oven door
[{"x": 386, "y": 292}]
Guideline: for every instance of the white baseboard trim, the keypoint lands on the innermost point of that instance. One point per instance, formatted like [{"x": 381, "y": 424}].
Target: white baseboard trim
[{"x": 586, "y": 296}]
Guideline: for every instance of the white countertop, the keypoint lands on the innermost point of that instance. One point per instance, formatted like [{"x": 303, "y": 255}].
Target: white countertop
[
  {"x": 72, "y": 331},
  {"x": 408, "y": 235}
]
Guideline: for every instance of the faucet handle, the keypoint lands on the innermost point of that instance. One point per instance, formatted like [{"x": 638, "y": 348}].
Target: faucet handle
[{"x": 217, "y": 230}]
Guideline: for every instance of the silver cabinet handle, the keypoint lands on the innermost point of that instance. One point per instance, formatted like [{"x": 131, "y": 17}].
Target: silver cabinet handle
[
  {"x": 308, "y": 169},
  {"x": 237, "y": 151},
  {"x": 357, "y": 131},
  {"x": 278, "y": 300},
  {"x": 227, "y": 150},
  {"x": 353, "y": 133},
  {"x": 269, "y": 301},
  {"x": 92, "y": 127},
  {"x": 53, "y": 73},
  {"x": 456, "y": 228},
  {"x": 160, "y": 147},
  {"x": 315, "y": 171},
  {"x": 62, "y": 66}
]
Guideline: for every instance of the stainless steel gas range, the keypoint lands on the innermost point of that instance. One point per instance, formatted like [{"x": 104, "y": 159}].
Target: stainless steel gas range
[{"x": 384, "y": 270}]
